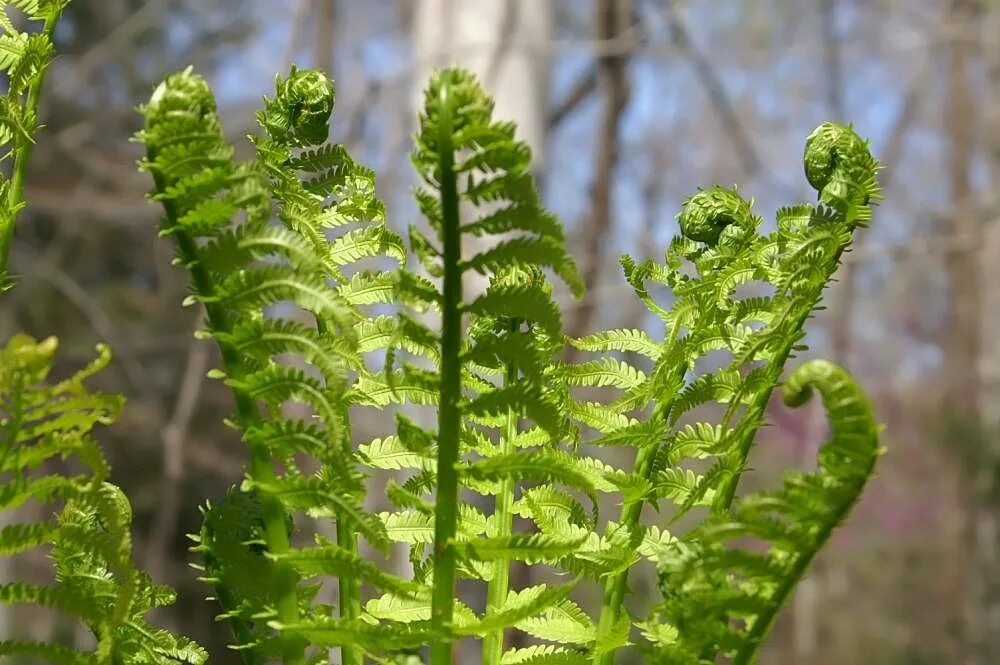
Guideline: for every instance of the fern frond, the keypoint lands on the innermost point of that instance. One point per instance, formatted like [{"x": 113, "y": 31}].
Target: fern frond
[
  {"x": 720, "y": 254},
  {"x": 510, "y": 415},
  {"x": 24, "y": 59},
  {"x": 95, "y": 579},
  {"x": 219, "y": 215},
  {"x": 709, "y": 586}
]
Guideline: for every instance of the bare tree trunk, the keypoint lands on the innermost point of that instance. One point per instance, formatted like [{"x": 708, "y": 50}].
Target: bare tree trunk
[
  {"x": 612, "y": 19},
  {"x": 988, "y": 531},
  {"x": 323, "y": 46},
  {"x": 961, "y": 338},
  {"x": 986, "y": 515},
  {"x": 840, "y": 323},
  {"x": 505, "y": 43}
]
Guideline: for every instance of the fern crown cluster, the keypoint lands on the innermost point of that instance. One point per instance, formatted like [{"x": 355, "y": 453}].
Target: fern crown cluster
[{"x": 496, "y": 454}]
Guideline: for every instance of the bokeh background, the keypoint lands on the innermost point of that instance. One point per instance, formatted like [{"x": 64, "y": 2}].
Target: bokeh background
[{"x": 629, "y": 105}]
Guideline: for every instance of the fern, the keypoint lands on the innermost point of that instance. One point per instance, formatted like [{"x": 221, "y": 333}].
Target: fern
[
  {"x": 240, "y": 270},
  {"x": 95, "y": 579},
  {"x": 491, "y": 382},
  {"x": 720, "y": 598},
  {"x": 43, "y": 423},
  {"x": 24, "y": 58},
  {"x": 290, "y": 257},
  {"x": 721, "y": 243},
  {"x": 287, "y": 251}
]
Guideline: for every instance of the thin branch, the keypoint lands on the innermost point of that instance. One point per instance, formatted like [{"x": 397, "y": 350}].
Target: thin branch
[
  {"x": 114, "y": 44},
  {"x": 101, "y": 323},
  {"x": 710, "y": 80},
  {"x": 584, "y": 86},
  {"x": 611, "y": 18},
  {"x": 173, "y": 435}
]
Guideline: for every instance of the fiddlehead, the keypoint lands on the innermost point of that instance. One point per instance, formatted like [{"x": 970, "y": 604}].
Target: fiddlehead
[
  {"x": 300, "y": 113},
  {"x": 706, "y": 578},
  {"x": 707, "y": 214},
  {"x": 841, "y": 169}
]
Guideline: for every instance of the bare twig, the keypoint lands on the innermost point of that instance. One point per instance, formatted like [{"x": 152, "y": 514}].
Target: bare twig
[
  {"x": 584, "y": 86},
  {"x": 173, "y": 436},
  {"x": 612, "y": 18},
  {"x": 710, "y": 80},
  {"x": 102, "y": 324},
  {"x": 114, "y": 43}
]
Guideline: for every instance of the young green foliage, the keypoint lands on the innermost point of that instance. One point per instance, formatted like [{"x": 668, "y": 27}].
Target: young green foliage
[
  {"x": 721, "y": 598},
  {"x": 286, "y": 253},
  {"x": 491, "y": 384},
  {"x": 244, "y": 272},
  {"x": 24, "y": 58},
  {"x": 719, "y": 251},
  {"x": 44, "y": 423},
  {"x": 502, "y": 479},
  {"x": 95, "y": 580}
]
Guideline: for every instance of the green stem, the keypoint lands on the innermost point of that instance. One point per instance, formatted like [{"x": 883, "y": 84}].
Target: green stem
[
  {"x": 727, "y": 493},
  {"x": 499, "y": 585},
  {"x": 747, "y": 654},
  {"x": 449, "y": 413},
  {"x": 15, "y": 195},
  {"x": 350, "y": 594},
  {"x": 349, "y": 590},
  {"x": 261, "y": 467},
  {"x": 615, "y": 588}
]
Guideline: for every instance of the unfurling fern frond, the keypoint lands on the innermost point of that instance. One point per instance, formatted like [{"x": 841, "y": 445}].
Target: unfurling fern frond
[
  {"x": 721, "y": 598},
  {"x": 270, "y": 291},
  {"x": 89, "y": 534},
  {"x": 738, "y": 292}
]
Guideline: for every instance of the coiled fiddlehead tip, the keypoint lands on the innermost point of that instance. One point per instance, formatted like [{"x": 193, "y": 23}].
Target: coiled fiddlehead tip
[
  {"x": 828, "y": 147},
  {"x": 185, "y": 92},
  {"x": 707, "y": 214},
  {"x": 116, "y": 508},
  {"x": 303, "y": 104}
]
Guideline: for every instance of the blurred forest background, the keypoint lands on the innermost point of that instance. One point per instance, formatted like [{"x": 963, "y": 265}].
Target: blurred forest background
[{"x": 629, "y": 105}]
